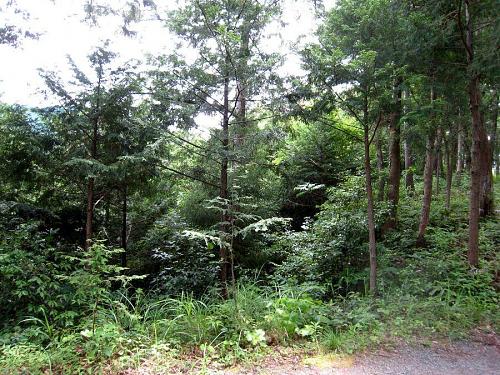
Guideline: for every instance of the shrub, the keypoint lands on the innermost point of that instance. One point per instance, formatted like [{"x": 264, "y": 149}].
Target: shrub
[{"x": 336, "y": 241}]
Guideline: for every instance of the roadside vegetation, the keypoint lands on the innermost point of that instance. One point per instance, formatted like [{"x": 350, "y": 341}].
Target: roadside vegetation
[{"x": 424, "y": 295}]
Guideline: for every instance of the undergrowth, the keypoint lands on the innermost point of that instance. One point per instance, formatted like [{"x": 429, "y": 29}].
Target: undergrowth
[{"x": 423, "y": 293}]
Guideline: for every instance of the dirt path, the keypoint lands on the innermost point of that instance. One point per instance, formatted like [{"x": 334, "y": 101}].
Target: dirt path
[
  {"x": 467, "y": 358},
  {"x": 460, "y": 358}
]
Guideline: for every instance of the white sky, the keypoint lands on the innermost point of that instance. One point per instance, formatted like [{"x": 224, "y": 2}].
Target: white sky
[{"x": 63, "y": 33}]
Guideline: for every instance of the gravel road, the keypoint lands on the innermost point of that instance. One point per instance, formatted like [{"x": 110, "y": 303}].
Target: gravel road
[{"x": 461, "y": 358}]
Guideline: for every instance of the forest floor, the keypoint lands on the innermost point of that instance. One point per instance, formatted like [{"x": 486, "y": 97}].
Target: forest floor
[{"x": 480, "y": 355}]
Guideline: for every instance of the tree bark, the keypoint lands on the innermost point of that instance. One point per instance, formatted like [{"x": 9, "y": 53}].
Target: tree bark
[
  {"x": 428, "y": 173},
  {"x": 395, "y": 155},
  {"x": 89, "y": 223},
  {"x": 124, "y": 228},
  {"x": 380, "y": 166},
  {"x": 242, "y": 86},
  {"x": 486, "y": 193},
  {"x": 468, "y": 154},
  {"x": 438, "y": 159},
  {"x": 475, "y": 188},
  {"x": 223, "y": 194},
  {"x": 370, "y": 213},
  {"x": 90, "y": 213},
  {"x": 475, "y": 108},
  {"x": 408, "y": 159},
  {"x": 409, "y": 181},
  {"x": 372, "y": 244},
  {"x": 460, "y": 153},
  {"x": 427, "y": 198},
  {"x": 449, "y": 172}
]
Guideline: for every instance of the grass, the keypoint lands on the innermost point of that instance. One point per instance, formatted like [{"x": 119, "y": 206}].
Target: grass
[{"x": 424, "y": 294}]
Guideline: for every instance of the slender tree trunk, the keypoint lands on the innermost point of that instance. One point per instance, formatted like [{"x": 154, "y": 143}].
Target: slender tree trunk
[
  {"x": 409, "y": 181},
  {"x": 90, "y": 213},
  {"x": 372, "y": 244},
  {"x": 223, "y": 194},
  {"x": 449, "y": 172},
  {"x": 124, "y": 228},
  {"x": 438, "y": 170},
  {"x": 438, "y": 159},
  {"x": 475, "y": 188},
  {"x": 486, "y": 193},
  {"x": 486, "y": 204},
  {"x": 371, "y": 217},
  {"x": 460, "y": 153},
  {"x": 468, "y": 155},
  {"x": 89, "y": 223},
  {"x": 242, "y": 86},
  {"x": 380, "y": 166},
  {"x": 408, "y": 159},
  {"x": 428, "y": 173},
  {"x": 395, "y": 155},
  {"x": 107, "y": 206},
  {"x": 426, "y": 201}
]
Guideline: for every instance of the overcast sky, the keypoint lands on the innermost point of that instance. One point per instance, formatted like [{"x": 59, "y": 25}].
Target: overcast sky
[{"x": 63, "y": 33}]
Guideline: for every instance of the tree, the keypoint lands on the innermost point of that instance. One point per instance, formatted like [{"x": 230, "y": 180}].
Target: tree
[
  {"x": 432, "y": 59},
  {"x": 28, "y": 149},
  {"x": 13, "y": 33},
  {"x": 428, "y": 172},
  {"x": 468, "y": 16},
  {"x": 408, "y": 154},
  {"x": 93, "y": 106},
  {"x": 341, "y": 61},
  {"x": 229, "y": 69}
]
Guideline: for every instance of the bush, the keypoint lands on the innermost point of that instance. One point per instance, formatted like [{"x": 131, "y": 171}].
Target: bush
[
  {"x": 333, "y": 248},
  {"x": 30, "y": 262},
  {"x": 185, "y": 265}
]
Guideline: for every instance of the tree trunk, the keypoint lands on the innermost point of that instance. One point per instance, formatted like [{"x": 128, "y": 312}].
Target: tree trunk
[
  {"x": 449, "y": 172},
  {"x": 409, "y": 181},
  {"x": 475, "y": 179},
  {"x": 223, "y": 194},
  {"x": 438, "y": 159},
  {"x": 370, "y": 212},
  {"x": 124, "y": 228},
  {"x": 242, "y": 86},
  {"x": 428, "y": 172},
  {"x": 107, "y": 208},
  {"x": 395, "y": 155},
  {"x": 90, "y": 213},
  {"x": 460, "y": 153},
  {"x": 408, "y": 159},
  {"x": 426, "y": 201},
  {"x": 475, "y": 108},
  {"x": 380, "y": 166},
  {"x": 89, "y": 223},
  {"x": 372, "y": 244},
  {"x": 486, "y": 193},
  {"x": 468, "y": 154}
]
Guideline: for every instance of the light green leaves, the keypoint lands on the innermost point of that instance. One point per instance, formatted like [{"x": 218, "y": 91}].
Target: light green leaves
[{"x": 256, "y": 337}]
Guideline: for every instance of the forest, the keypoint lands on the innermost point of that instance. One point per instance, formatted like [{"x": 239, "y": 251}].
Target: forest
[{"x": 202, "y": 209}]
